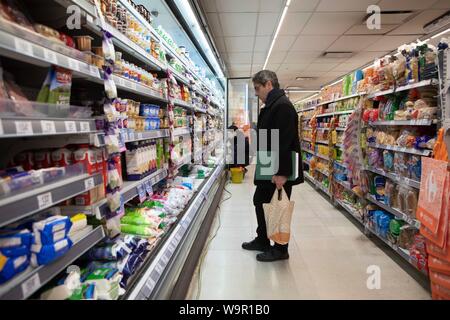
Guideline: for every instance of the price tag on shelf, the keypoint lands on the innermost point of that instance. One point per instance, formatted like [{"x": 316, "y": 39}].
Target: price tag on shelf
[
  {"x": 141, "y": 193},
  {"x": 23, "y": 47},
  {"x": 74, "y": 64},
  {"x": 50, "y": 56},
  {"x": 24, "y": 127},
  {"x": 48, "y": 126},
  {"x": 164, "y": 259},
  {"x": 171, "y": 248},
  {"x": 45, "y": 200},
  {"x": 1, "y": 127},
  {"x": 31, "y": 285},
  {"x": 148, "y": 188},
  {"x": 85, "y": 126},
  {"x": 71, "y": 126},
  {"x": 94, "y": 71},
  {"x": 159, "y": 268},
  {"x": 133, "y": 86},
  {"x": 131, "y": 136},
  {"x": 139, "y": 135},
  {"x": 84, "y": 67},
  {"x": 151, "y": 284},
  {"x": 89, "y": 184}
]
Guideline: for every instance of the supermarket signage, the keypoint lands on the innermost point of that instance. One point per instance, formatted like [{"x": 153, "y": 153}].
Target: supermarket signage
[{"x": 44, "y": 200}]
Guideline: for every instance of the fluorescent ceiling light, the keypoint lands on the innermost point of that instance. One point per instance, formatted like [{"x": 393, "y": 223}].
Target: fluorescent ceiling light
[
  {"x": 440, "y": 33},
  {"x": 186, "y": 10},
  {"x": 288, "y": 2}
]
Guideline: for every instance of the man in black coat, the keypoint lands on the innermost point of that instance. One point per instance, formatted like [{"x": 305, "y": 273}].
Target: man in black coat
[{"x": 278, "y": 114}]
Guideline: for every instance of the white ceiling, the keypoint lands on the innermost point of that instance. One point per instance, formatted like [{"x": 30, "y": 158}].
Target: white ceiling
[{"x": 243, "y": 31}]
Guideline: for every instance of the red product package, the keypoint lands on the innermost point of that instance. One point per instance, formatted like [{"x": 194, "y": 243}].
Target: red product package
[
  {"x": 441, "y": 279},
  {"x": 439, "y": 292},
  {"x": 438, "y": 265},
  {"x": 42, "y": 159},
  {"x": 86, "y": 156},
  {"x": 62, "y": 157},
  {"x": 67, "y": 40}
]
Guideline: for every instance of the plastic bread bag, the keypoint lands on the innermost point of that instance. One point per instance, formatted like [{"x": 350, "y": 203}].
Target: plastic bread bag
[
  {"x": 60, "y": 86},
  {"x": 415, "y": 167},
  {"x": 388, "y": 160},
  {"x": 406, "y": 238},
  {"x": 400, "y": 164},
  {"x": 13, "y": 11},
  {"x": 411, "y": 202},
  {"x": 389, "y": 193},
  {"x": 10, "y": 267},
  {"x": 51, "y": 230},
  {"x": 23, "y": 106},
  {"x": 45, "y": 254}
]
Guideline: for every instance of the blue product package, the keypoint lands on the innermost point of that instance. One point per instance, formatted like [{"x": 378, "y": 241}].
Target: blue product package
[
  {"x": 12, "y": 267},
  {"x": 385, "y": 221},
  {"x": 15, "y": 252},
  {"x": 379, "y": 183},
  {"x": 45, "y": 254},
  {"x": 51, "y": 230},
  {"x": 14, "y": 238}
]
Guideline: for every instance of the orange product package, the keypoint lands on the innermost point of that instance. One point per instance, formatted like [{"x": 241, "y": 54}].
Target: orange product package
[
  {"x": 439, "y": 292},
  {"x": 438, "y": 265},
  {"x": 440, "y": 148},
  {"x": 431, "y": 199},
  {"x": 440, "y": 279}
]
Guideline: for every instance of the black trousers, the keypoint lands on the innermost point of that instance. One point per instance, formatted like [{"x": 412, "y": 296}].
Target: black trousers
[{"x": 264, "y": 194}]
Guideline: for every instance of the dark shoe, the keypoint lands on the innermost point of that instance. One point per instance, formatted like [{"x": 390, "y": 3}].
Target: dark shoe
[
  {"x": 256, "y": 245},
  {"x": 272, "y": 255}
]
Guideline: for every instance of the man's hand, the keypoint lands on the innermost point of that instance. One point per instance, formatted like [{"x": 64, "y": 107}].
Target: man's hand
[{"x": 279, "y": 181}]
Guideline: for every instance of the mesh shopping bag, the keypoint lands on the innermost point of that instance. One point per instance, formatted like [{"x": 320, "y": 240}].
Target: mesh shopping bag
[{"x": 278, "y": 215}]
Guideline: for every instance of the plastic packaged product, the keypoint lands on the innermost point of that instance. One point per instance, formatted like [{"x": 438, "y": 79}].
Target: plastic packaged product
[
  {"x": 400, "y": 164},
  {"x": 388, "y": 160},
  {"x": 106, "y": 282},
  {"x": 379, "y": 184},
  {"x": 60, "y": 86},
  {"x": 415, "y": 167},
  {"x": 45, "y": 254},
  {"x": 389, "y": 193},
  {"x": 374, "y": 158},
  {"x": 15, "y": 252},
  {"x": 139, "y": 230},
  {"x": 10, "y": 267},
  {"x": 79, "y": 222},
  {"x": 14, "y": 238},
  {"x": 62, "y": 157},
  {"x": 65, "y": 286},
  {"x": 84, "y": 292},
  {"x": 110, "y": 252},
  {"x": 384, "y": 224},
  {"x": 51, "y": 230},
  {"x": 140, "y": 220}
]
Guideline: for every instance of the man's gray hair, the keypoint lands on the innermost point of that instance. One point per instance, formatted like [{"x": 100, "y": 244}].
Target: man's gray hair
[{"x": 262, "y": 77}]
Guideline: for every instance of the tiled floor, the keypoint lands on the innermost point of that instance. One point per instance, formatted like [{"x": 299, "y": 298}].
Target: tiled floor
[{"x": 329, "y": 256}]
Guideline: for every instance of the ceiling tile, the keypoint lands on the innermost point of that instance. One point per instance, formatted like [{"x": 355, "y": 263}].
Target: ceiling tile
[
  {"x": 284, "y": 43},
  {"x": 271, "y": 5},
  {"x": 321, "y": 67},
  {"x": 302, "y": 56},
  {"x": 415, "y": 25},
  {"x": 353, "y": 43},
  {"x": 313, "y": 43},
  {"x": 214, "y": 24},
  {"x": 267, "y": 24},
  {"x": 277, "y": 56},
  {"x": 238, "y": 24},
  {"x": 273, "y": 66},
  {"x": 387, "y": 5},
  {"x": 303, "y": 5},
  {"x": 239, "y": 44},
  {"x": 209, "y": 5},
  {"x": 387, "y": 43},
  {"x": 262, "y": 44},
  {"x": 240, "y": 67},
  {"x": 240, "y": 57},
  {"x": 220, "y": 43},
  {"x": 441, "y": 4},
  {"x": 256, "y": 67},
  {"x": 259, "y": 57},
  {"x": 313, "y": 74},
  {"x": 366, "y": 57},
  {"x": 292, "y": 69},
  {"x": 348, "y": 66},
  {"x": 240, "y": 74},
  {"x": 323, "y": 59},
  {"x": 294, "y": 22},
  {"x": 336, "y": 23},
  {"x": 237, "y": 5},
  {"x": 344, "y": 5},
  {"x": 362, "y": 29}
]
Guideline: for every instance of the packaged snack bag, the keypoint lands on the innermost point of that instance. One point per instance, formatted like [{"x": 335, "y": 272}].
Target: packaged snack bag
[{"x": 60, "y": 86}]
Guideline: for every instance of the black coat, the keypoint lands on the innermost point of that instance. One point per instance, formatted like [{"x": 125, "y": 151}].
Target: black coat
[{"x": 279, "y": 113}]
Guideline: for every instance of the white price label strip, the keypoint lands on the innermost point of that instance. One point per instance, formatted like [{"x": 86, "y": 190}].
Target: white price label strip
[
  {"x": 164, "y": 259},
  {"x": 50, "y": 56},
  {"x": 94, "y": 71},
  {"x": 1, "y": 127},
  {"x": 48, "y": 126},
  {"x": 151, "y": 284},
  {"x": 23, "y": 47},
  {"x": 71, "y": 126},
  {"x": 159, "y": 269},
  {"x": 45, "y": 200},
  {"x": 85, "y": 127},
  {"x": 24, "y": 127},
  {"x": 74, "y": 64},
  {"x": 89, "y": 184},
  {"x": 31, "y": 285}
]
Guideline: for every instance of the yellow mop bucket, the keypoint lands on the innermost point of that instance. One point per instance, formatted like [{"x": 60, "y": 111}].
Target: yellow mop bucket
[{"x": 237, "y": 175}]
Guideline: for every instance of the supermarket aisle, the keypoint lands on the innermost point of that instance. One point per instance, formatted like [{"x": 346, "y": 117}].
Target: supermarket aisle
[{"x": 329, "y": 256}]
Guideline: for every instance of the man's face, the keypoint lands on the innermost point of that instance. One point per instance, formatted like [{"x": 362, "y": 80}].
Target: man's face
[{"x": 262, "y": 91}]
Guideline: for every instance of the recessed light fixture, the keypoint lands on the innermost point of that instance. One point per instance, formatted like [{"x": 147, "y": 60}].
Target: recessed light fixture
[{"x": 304, "y": 78}]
